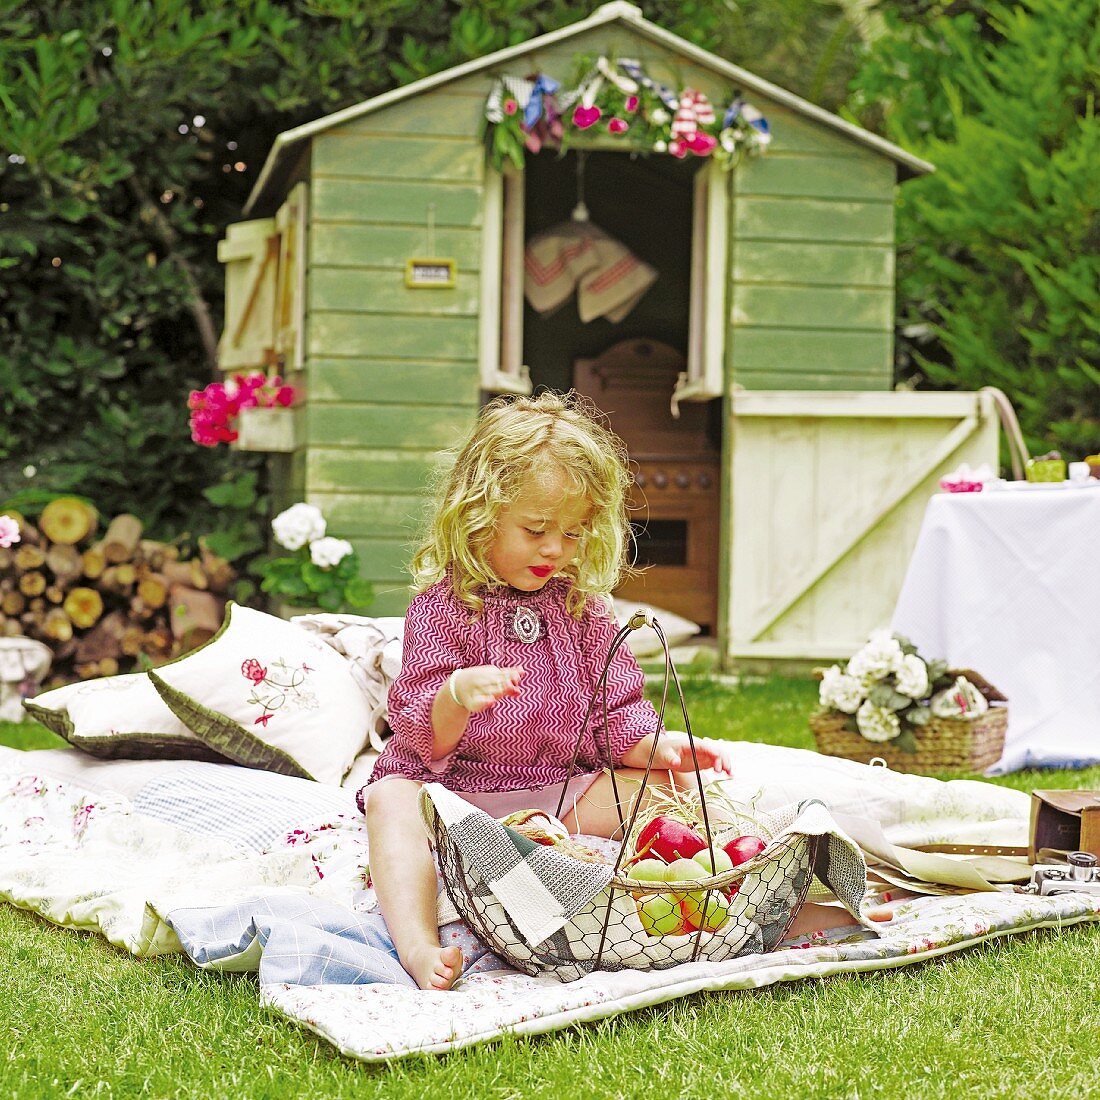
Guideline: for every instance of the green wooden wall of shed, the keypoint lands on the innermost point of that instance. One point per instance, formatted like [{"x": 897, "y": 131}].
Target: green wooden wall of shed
[{"x": 392, "y": 373}]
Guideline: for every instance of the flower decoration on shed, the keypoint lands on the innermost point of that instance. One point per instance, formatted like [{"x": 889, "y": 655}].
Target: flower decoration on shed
[
  {"x": 320, "y": 571},
  {"x": 214, "y": 410},
  {"x": 619, "y": 99},
  {"x": 887, "y": 689}
]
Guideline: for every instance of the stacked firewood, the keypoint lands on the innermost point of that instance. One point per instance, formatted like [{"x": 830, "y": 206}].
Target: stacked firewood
[{"x": 105, "y": 605}]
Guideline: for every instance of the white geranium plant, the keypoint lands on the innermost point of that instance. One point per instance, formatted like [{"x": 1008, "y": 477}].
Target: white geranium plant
[
  {"x": 320, "y": 571},
  {"x": 885, "y": 690}
]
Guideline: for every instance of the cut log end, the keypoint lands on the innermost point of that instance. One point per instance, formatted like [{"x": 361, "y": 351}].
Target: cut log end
[
  {"x": 84, "y": 606},
  {"x": 67, "y": 520}
]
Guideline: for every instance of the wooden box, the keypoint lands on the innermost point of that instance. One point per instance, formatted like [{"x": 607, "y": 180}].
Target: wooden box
[{"x": 1064, "y": 821}]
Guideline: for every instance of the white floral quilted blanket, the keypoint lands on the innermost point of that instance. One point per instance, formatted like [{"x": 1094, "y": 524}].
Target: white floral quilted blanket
[{"x": 296, "y": 909}]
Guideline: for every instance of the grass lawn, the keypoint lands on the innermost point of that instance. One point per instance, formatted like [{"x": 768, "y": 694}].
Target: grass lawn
[{"x": 1013, "y": 1018}]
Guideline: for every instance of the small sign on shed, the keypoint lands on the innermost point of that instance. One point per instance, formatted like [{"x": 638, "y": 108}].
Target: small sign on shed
[{"x": 433, "y": 274}]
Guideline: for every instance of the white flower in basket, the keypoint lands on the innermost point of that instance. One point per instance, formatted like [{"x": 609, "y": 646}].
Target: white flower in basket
[
  {"x": 840, "y": 691},
  {"x": 912, "y": 677},
  {"x": 887, "y": 691},
  {"x": 877, "y": 723},
  {"x": 881, "y": 656}
]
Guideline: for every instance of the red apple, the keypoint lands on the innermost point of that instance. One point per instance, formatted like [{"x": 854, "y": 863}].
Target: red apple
[
  {"x": 743, "y": 848},
  {"x": 669, "y": 839}
]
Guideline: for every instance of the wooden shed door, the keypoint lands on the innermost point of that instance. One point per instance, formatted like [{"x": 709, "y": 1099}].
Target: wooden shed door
[{"x": 825, "y": 498}]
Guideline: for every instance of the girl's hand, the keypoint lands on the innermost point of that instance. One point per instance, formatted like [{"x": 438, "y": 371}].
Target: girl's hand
[
  {"x": 480, "y": 687},
  {"x": 674, "y": 754}
]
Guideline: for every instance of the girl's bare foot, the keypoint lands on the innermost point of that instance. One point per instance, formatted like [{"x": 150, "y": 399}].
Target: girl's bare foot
[{"x": 434, "y": 967}]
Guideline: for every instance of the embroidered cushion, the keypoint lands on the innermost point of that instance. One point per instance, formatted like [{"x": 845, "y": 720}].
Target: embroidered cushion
[
  {"x": 267, "y": 694},
  {"x": 118, "y": 718}
]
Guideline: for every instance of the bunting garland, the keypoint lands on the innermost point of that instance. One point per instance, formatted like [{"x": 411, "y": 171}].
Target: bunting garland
[{"x": 621, "y": 99}]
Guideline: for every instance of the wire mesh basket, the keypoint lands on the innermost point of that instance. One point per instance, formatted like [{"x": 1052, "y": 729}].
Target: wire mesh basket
[{"x": 631, "y": 922}]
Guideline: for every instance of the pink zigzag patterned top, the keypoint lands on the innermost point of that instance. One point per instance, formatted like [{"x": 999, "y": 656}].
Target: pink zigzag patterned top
[{"x": 524, "y": 741}]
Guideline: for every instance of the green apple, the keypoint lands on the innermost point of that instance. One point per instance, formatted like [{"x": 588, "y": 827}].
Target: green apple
[
  {"x": 685, "y": 870},
  {"x": 708, "y": 911},
  {"x": 660, "y": 915},
  {"x": 722, "y": 861},
  {"x": 647, "y": 870}
]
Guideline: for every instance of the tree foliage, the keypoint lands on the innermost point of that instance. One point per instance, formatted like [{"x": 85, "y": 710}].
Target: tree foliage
[
  {"x": 130, "y": 135},
  {"x": 999, "y": 268}
]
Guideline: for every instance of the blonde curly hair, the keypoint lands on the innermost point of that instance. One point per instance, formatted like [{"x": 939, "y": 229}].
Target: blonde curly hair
[{"x": 516, "y": 438}]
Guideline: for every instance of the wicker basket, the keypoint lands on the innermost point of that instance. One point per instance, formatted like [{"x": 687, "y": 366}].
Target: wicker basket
[{"x": 943, "y": 744}]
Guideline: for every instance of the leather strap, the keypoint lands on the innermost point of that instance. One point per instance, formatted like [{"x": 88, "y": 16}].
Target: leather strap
[{"x": 971, "y": 849}]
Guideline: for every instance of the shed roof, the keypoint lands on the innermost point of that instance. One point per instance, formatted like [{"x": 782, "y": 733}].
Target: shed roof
[{"x": 280, "y": 157}]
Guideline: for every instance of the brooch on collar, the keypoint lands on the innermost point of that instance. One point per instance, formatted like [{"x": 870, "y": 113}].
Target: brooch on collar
[{"x": 526, "y": 625}]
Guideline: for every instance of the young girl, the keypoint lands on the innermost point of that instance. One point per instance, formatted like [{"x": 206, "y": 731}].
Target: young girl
[{"x": 504, "y": 645}]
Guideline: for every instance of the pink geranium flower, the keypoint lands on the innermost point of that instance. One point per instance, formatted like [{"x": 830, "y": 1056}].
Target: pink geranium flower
[
  {"x": 9, "y": 531},
  {"x": 214, "y": 410}
]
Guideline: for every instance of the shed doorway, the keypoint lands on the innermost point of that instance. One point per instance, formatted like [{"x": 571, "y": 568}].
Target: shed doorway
[{"x": 628, "y": 358}]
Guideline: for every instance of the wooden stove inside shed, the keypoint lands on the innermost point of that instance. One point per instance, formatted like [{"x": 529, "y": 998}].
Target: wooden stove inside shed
[{"x": 674, "y": 504}]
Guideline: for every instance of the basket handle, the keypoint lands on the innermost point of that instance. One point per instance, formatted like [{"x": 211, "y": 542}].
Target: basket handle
[{"x": 641, "y": 617}]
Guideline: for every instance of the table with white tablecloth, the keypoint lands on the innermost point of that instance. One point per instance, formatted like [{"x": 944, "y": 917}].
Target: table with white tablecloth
[{"x": 1008, "y": 583}]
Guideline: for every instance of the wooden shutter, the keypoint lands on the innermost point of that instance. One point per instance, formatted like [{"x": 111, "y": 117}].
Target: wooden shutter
[
  {"x": 501, "y": 319},
  {"x": 250, "y": 252},
  {"x": 705, "y": 374},
  {"x": 290, "y": 222}
]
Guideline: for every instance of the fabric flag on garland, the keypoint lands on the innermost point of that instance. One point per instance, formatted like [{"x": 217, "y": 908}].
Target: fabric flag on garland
[{"x": 577, "y": 256}]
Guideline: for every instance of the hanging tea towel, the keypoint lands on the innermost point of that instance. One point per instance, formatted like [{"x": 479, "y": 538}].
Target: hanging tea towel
[{"x": 575, "y": 256}]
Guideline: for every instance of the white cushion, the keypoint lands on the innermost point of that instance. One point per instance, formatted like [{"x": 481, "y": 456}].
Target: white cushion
[
  {"x": 267, "y": 694},
  {"x": 644, "y": 642},
  {"x": 118, "y": 718}
]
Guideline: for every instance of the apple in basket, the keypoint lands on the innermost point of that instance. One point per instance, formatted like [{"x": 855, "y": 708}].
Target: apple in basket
[
  {"x": 668, "y": 839},
  {"x": 706, "y": 909},
  {"x": 646, "y": 870},
  {"x": 743, "y": 848},
  {"x": 660, "y": 915},
  {"x": 721, "y": 862}
]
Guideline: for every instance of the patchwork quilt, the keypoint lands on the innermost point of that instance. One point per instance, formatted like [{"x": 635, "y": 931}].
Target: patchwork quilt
[{"x": 250, "y": 871}]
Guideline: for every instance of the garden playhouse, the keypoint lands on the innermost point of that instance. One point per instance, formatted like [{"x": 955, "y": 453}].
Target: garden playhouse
[{"x": 780, "y": 478}]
